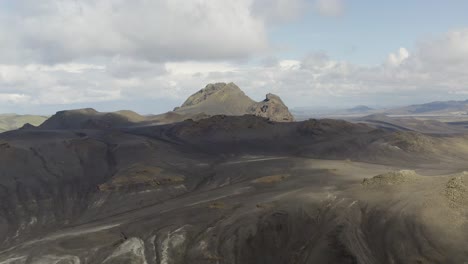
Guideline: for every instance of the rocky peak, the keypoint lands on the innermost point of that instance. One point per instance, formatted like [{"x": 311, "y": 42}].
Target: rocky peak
[
  {"x": 271, "y": 96},
  {"x": 219, "y": 91},
  {"x": 272, "y": 108}
]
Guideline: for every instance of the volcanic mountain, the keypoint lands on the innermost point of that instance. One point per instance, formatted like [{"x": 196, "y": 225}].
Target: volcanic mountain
[{"x": 229, "y": 99}]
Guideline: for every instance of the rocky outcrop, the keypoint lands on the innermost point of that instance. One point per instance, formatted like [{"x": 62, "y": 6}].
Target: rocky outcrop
[
  {"x": 272, "y": 108},
  {"x": 229, "y": 99}
]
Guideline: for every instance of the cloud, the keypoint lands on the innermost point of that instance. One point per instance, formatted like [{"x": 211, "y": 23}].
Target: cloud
[
  {"x": 332, "y": 8},
  {"x": 13, "y": 98},
  {"x": 449, "y": 48},
  {"x": 192, "y": 67},
  {"x": 279, "y": 11},
  {"x": 317, "y": 79},
  {"x": 125, "y": 67},
  {"x": 59, "y": 31},
  {"x": 395, "y": 59}
]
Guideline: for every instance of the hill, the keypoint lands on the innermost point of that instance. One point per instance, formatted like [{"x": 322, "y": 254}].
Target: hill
[
  {"x": 89, "y": 118},
  {"x": 14, "y": 121}
]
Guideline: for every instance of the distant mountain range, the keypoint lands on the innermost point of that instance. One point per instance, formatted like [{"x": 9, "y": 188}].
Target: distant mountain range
[
  {"x": 215, "y": 99},
  {"x": 409, "y": 123},
  {"x": 14, "y": 121},
  {"x": 228, "y": 99},
  {"x": 360, "y": 109},
  {"x": 438, "y": 108},
  {"x": 433, "y": 108}
]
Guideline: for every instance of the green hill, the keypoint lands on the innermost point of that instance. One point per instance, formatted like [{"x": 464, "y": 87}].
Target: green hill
[{"x": 14, "y": 121}]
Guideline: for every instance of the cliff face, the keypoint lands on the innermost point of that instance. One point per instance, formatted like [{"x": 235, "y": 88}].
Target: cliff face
[{"x": 229, "y": 99}]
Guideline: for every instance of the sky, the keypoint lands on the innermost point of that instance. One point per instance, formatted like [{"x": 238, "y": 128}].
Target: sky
[{"x": 149, "y": 56}]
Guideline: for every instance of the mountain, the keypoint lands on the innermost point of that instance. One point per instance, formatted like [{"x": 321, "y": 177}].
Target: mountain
[
  {"x": 14, "y": 121},
  {"x": 360, "y": 109},
  {"x": 229, "y": 99},
  {"x": 433, "y": 108}
]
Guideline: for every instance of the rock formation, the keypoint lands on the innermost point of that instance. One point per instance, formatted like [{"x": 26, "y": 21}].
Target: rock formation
[{"x": 272, "y": 108}]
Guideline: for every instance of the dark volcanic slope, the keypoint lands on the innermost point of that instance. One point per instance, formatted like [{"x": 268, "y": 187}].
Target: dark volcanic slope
[{"x": 230, "y": 189}]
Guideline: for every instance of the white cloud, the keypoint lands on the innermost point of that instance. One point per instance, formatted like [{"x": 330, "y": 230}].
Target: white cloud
[
  {"x": 278, "y": 11},
  {"x": 315, "y": 80},
  {"x": 450, "y": 48},
  {"x": 331, "y": 8},
  {"x": 289, "y": 64},
  {"x": 320, "y": 80},
  {"x": 395, "y": 59},
  {"x": 68, "y": 67},
  {"x": 52, "y": 31},
  {"x": 193, "y": 67},
  {"x": 125, "y": 67},
  {"x": 13, "y": 98}
]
